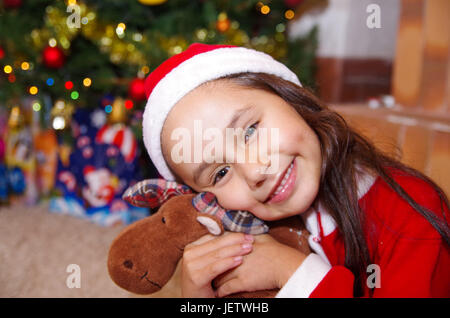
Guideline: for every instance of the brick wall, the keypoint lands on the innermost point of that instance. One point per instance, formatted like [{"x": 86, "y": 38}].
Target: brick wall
[
  {"x": 420, "y": 140},
  {"x": 422, "y": 64},
  {"x": 417, "y": 129}
]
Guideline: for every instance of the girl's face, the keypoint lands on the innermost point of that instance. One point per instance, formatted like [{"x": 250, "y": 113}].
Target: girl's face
[{"x": 283, "y": 186}]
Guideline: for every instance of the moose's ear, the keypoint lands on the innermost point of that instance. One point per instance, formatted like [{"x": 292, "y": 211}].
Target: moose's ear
[
  {"x": 153, "y": 192},
  {"x": 213, "y": 225}
]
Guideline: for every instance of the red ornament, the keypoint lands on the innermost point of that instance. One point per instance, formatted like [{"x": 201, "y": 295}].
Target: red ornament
[
  {"x": 223, "y": 25},
  {"x": 11, "y": 4},
  {"x": 128, "y": 104},
  {"x": 2, "y": 53},
  {"x": 292, "y": 3},
  {"x": 53, "y": 57},
  {"x": 136, "y": 89}
]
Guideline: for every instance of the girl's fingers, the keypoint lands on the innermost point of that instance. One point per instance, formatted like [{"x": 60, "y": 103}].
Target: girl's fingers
[
  {"x": 221, "y": 266},
  {"x": 230, "y": 287},
  {"x": 207, "y": 258},
  {"x": 228, "y": 251},
  {"x": 196, "y": 250},
  {"x": 204, "y": 265},
  {"x": 223, "y": 278},
  {"x": 205, "y": 275}
]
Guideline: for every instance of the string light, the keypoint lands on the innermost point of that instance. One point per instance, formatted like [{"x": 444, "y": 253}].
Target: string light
[
  {"x": 74, "y": 95},
  {"x": 120, "y": 30},
  {"x": 87, "y": 82},
  {"x": 64, "y": 42},
  {"x": 128, "y": 104},
  {"x": 108, "y": 109},
  {"x": 201, "y": 34},
  {"x": 25, "y": 66},
  {"x": 91, "y": 15},
  {"x": 33, "y": 90},
  {"x": 175, "y": 50},
  {"x": 137, "y": 37},
  {"x": 222, "y": 16},
  {"x": 280, "y": 28},
  {"x": 265, "y": 9},
  {"x": 50, "y": 81},
  {"x": 68, "y": 85},
  {"x": 52, "y": 42},
  {"x": 7, "y": 69},
  {"x": 289, "y": 14},
  {"x": 36, "y": 106}
]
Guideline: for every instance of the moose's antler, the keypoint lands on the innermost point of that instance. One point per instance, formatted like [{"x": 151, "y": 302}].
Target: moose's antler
[
  {"x": 154, "y": 192},
  {"x": 232, "y": 220}
]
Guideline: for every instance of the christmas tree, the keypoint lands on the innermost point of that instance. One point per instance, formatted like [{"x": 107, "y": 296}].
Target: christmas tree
[
  {"x": 79, "y": 51},
  {"x": 72, "y": 87}
]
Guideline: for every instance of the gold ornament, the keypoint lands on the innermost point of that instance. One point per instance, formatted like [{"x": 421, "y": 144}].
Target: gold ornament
[
  {"x": 239, "y": 38},
  {"x": 64, "y": 151},
  {"x": 173, "y": 45},
  {"x": 152, "y": 2},
  {"x": 119, "y": 112},
  {"x": 16, "y": 118}
]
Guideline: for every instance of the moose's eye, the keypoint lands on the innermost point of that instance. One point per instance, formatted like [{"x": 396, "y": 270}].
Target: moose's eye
[{"x": 163, "y": 220}]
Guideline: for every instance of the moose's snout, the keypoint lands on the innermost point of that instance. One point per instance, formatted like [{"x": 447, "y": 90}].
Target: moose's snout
[{"x": 128, "y": 264}]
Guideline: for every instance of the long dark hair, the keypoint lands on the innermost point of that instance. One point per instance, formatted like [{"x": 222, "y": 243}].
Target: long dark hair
[{"x": 343, "y": 149}]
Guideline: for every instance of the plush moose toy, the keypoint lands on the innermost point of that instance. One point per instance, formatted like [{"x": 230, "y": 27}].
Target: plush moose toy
[{"x": 144, "y": 256}]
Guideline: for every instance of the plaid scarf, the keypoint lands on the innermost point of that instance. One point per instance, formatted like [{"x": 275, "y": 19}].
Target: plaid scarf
[
  {"x": 232, "y": 220},
  {"x": 154, "y": 192}
]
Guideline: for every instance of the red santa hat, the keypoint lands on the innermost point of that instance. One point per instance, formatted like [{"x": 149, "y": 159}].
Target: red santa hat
[{"x": 183, "y": 72}]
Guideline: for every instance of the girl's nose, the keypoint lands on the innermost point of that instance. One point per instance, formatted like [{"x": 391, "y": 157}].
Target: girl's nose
[{"x": 254, "y": 173}]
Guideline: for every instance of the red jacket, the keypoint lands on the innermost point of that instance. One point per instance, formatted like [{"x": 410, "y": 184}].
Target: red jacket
[{"x": 411, "y": 258}]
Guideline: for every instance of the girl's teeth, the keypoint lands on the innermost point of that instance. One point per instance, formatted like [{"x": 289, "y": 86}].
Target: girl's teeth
[{"x": 286, "y": 176}]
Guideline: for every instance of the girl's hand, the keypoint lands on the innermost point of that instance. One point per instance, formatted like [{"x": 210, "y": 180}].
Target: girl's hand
[
  {"x": 208, "y": 257},
  {"x": 268, "y": 266}
]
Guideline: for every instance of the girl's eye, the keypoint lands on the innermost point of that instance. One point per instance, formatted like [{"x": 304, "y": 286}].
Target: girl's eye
[
  {"x": 220, "y": 174},
  {"x": 250, "y": 131}
]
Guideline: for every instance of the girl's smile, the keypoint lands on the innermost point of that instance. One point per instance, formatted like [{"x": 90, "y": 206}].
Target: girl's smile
[
  {"x": 295, "y": 166},
  {"x": 284, "y": 187}
]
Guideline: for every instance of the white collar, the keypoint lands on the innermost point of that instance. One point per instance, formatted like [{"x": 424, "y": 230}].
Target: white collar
[{"x": 364, "y": 181}]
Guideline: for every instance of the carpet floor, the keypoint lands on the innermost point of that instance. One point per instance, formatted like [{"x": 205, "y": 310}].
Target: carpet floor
[{"x": 37, "y": 246}]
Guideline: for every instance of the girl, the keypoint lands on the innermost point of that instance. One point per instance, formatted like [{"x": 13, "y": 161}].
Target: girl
[{"x": 378, "y": 228}]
